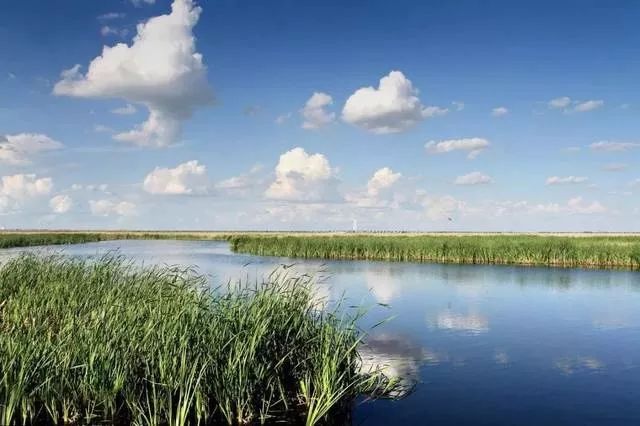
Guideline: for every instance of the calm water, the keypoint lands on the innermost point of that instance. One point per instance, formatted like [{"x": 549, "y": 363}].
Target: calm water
[{"x": 486, "y": 345}]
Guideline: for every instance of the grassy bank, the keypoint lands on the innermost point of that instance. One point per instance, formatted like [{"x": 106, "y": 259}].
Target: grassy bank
[
  {"x": 104, "y": 341},
  {"x": 597, "y": 251},
  {"x": 9, "y": 240}
]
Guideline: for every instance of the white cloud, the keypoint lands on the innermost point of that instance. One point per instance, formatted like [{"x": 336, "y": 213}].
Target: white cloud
[
  {"x": 499, "y": 111},
  {"x": 303, "y": 177},
  {"x": 559, "y": 103},
  {"x": 393, "y": 107},
  {"x": 128, "y": 109},
  {"x": 614, "y": 167},
  {"x": 186, "y": 178},
  {"x": 569, "y": 105},
  {"x": 635, "y": 183},
  {"x": 111, "y": 15},
  {"x": 382, "y": 179},
  {"x": 110, "y": 208},
  {"x": 562, "y": 180},
  {"x": 314, "y": 112},
  {"x": 459, "y": 106},
  {"x": 60, "y": 204},
  {"x": 474, "y": 178},
  {"x": 473, "y": 145},
  {"x": 244, "y": 183},
  {"x": 607, "y": 146},
  {"x": 588, "y": 105},
  {"x": 141, "y": 2},
  {"x": 283, "y": 118},
  {"x": 100, "y": 128},
  {"x": 575, "y": 205},
  {"x": 160, "y": 69},
  {"x": 379, "y": 191},
  {"x": 16, "y": 189},
  {"x": 19, "y": 148},
  {"x": 108, "y": 30}
]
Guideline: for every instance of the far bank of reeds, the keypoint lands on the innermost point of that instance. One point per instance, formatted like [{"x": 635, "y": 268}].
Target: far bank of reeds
[
  {"x": 585, "y": 251},
  {"x": 88, "y": 342}
]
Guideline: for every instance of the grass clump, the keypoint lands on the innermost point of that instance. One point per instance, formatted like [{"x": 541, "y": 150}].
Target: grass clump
[
  {"x": 601, "y": 252},
  {"x": 105, "y": 341}
]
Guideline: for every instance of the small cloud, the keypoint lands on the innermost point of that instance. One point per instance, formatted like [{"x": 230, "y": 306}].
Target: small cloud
[
  {"x": 557, "y": 180},
  {"x": 569, "y": 105},
  {"x": 107, "y": 208},
  {"x": 614, "y": 167},
  {"x": 138, "y": 3},
  {"x": 110, "y": 16},
  {"x": 588, "y": 105},
  {"x": 20, "y": 148},
  {"x": 314, "y": 112},
  {"x": 499, "y": 111},
  {"x": 187, "y": 178},
  {"x": 283, "y": 118},
  {"x": 392, "y": 107},
  {"x": 128, "y": 109},
  {"x": 474, "y": 178},
  {"x": 108, "y": 31},
  {"x": 60, "y": 204},
  {"x": 459, "y": 106},
  {"x": 99, "y": 128},
  {"x": 559, "y": 103},
  {"x": 607, "y": 146},
  {"x": 472, "y": 145}
]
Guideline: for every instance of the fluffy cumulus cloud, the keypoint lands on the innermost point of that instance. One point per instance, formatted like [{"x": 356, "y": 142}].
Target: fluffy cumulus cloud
[
  {"x": 393, "y": 107},
  {"x": 473, "y": 178},
  {"x": 499, "y": 111},
  {"x": 474, "y": 146},
  {"x": 608, "y": 146},
  {"x": 381, "y": 180},
  {"x": 379, "y": 191},
  {"x": 17, "y": 189},
  {"x": 107, "y": 208},
  {"x": 564, "y": 180},
  {"x": 315, "y": 112},
  {"x": 303, "y": 177},
  {"x": 569, "y": 105},
  {"x": 187, "y": 178},
  {"x": 161, "y": 69},
  {"x": 20, "y": 148},
  {"x": 61, "y": 203}
]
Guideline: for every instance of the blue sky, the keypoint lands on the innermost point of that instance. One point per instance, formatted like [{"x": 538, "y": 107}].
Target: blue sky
[{"x": 308, "y": 115}]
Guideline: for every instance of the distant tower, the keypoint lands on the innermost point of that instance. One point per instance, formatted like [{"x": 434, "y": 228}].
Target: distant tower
[{"x": 355, "y": 225}]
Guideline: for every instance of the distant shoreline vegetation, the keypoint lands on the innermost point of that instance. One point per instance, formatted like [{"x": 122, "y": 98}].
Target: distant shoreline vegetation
[
  {"x": 103, "y": 340},
  {"x": 533, "y": 250},
  {"x": 562, "y": 250}
]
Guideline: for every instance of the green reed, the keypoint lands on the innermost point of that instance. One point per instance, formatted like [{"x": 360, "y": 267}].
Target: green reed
[
  {"x": 106, "y": 341},
  {"x": 597, "y": 251}
]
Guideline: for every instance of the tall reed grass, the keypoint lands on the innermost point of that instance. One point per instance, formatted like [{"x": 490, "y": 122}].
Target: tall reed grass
[
  {"x": 84, "y": 342},
  {"x": 598, "y": 251}
]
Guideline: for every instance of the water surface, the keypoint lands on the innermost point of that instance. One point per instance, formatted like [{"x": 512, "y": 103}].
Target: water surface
[{"x": 486, "y": 345}]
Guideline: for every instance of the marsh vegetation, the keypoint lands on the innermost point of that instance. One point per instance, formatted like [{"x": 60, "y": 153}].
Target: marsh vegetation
[
  {"x": 104, "y": 340},
  {"x": 587, "y": 251}
]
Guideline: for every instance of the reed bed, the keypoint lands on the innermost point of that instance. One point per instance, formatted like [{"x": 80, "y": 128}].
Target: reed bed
[
  {"x": 598, "y": 252},
  {"x": 9, "y": 240},
  {"x": 105, "y": 341}
]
